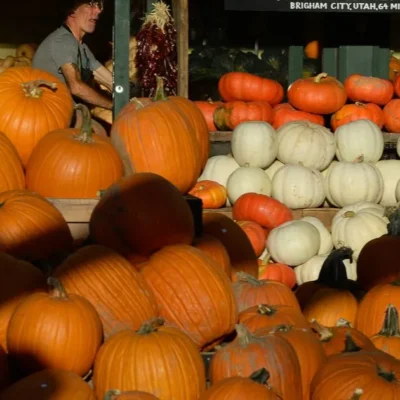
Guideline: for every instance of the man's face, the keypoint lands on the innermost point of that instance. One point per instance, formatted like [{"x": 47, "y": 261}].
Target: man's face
[{"x": 87, "y": 15}]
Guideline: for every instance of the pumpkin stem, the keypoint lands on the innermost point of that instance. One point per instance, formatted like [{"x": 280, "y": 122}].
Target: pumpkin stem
[
  {"x": 32, "y": 89},
  {"x": 281, "y": 328},
  {"x": 343, "y": 322},
  {"x": 391, "y": 323},
  {"x": 333, "y": 272},
  {"x": 388, "y": 376},
  {"x": 261, "y": 376},
  {"x": 265, "y": 309},
  {"x": 137, "y": 102},
  {"x": 85, "y": 134},
  {"x": 359, "y": 159},
  {"x": 160, "y": 92},
  {"x": 320, "y": 76},
  {"x": 358, "y": 103},
  {"x": 243, "y": 334},
  {"x": 325, "y": 334},
  {"x": 357, "y": 394},
  {"x": 56, "y": 288},
  {"x": 244, "y": 277},
  {"x": 265, "y": 257},
  {"x": 349, "y": 345},
  {"x": 349, "y": 214},
  {"x": 394, "y": 223},
  {"x": 111, "y": 393},
  {"x": 220, "y": 118},
  {"x": 150, "y": 326}
]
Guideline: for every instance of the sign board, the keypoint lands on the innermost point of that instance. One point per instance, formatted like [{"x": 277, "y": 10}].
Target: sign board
[{"x": 344, "y": 6}]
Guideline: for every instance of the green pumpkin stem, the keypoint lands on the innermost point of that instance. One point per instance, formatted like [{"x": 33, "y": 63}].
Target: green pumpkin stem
[
  {"x": 349, "y": 345},
  {"x": 150, "y": 326},
  {"x": 85, "y": 134},
  {"x": 220, "y": 118},
  {"x": 244, "y": 277},
  {"x": 33, "y": 89},
  {"x": 265, "y": 309},
  {"x": 394, "y": 223},
  {"x": 160, "y": 92},
  {"x": 391, "y": 323},
  {"x": 389, "y": 376},
  {"x": 110, "y": 395},
  {"x": 57, "y": 290},
  {"x": 357, "y": 394},
  {"x": 260, "y": 376}
]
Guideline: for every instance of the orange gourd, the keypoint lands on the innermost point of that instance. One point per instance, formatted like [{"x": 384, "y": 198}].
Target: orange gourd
[
  {"x": 73, "y": 163},
  {"x": 128, "y": 359},
  {"x": 321, "y": 94},
  {"x": 193, "y": 293},
  {"x": 212, "y": 194},
  {"x": 356, "y": 111},
  {"x": 54, "y": 384},
  {"x": 54, "y": 330},
  {"x": 141, "y": 214},
  {"x": 31, "y": 227},
  {"x": 115, "y": 289},
  {"x": 243, "y": 86},
  {"x": 11, "y": 171},
  {"x": 33, "y": 103},
  {"x": 160, "y": 137},
  {"x": 368, "y": 89}
]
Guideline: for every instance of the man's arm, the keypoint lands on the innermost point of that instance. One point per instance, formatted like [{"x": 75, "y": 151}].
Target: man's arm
[
  {"x": 104, "y": 77},
  {"x": 82, "y": 90}
]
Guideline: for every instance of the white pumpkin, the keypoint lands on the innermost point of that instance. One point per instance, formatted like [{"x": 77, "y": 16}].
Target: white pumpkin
[
  {"x": 294, "y": 242},
  {"x": 274, "y": 168},
  {"x": 397, "y": 191},
  {"x": 218, "y": 169},
  {"x": 390, "y": 170},
  {"x": 254, "y": 144},
  {"x": 326, "y": 245},
  {"x": 398, "y": 147},
  {"x": 309, "y": 271},
  {"x": 352, "y": 182},
  {"x": 355, "y": 225},
  {"x": 359, "y": 138},
  {"x": 303, "y": 142},
  {"x": 245, "y": 180},
  {"x": 298, "y": 187}
]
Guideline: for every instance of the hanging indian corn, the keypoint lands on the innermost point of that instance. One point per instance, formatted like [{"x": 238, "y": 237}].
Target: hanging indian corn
[{"x": 156, "y": 51}]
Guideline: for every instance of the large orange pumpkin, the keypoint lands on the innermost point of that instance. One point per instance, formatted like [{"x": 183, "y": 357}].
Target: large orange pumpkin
[
  {"x": 54, "y": 330},
  {"x": 160, "y": 137},
  {"x": 115, "y": 394},
  {"x": 140, "y": 215},
  {"x": 242, "y": 86},
  {"x": 18, "y": 279},
  {"x": 11, "y": 171},
  {"x": 31, "y": 227},
  {"x": 321, "y": 94},
  {"x": 32, "y": 102},
  {"x": 54, "y": 384},
  {"x": 368, "y": 89},
  {"x": 156, "y": 359},
  {"x": 116, "y": 289},
  {"x": 193, "y": 293},
  {"x": 73, "y": 163}
]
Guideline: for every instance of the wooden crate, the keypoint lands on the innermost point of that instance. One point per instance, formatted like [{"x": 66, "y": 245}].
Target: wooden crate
[{"x": 77, "y": 213}]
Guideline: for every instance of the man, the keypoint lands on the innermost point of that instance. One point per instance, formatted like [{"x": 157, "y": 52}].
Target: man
[{"x": 64, "y": 54}]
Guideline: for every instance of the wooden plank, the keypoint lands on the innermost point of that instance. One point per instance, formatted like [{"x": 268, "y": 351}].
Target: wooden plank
[{"x": 181, "y": 16}]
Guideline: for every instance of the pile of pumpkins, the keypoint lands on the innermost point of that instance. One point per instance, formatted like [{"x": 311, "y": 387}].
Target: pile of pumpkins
[
  {"x": 23, "y": 57},
  {"x": 132, "y": 313}
]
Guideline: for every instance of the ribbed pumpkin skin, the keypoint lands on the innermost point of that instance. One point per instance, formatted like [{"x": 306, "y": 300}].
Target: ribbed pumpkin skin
[
  {"x": 157, "y": 138},
  {"x": 25, "y": 119},
  {"x": 46, "y": 331},
  {"x": 238, "y": 388},
  {"x": 129, "y": 395},
  {"x": 113, "y": 286},
  {"x": 141, "y": 214},
  {"x": 49, "y": 384},
  {"x": 11, "y": 172},
  {"x": 63, "y": 166},
  {"x": 18, "y": 279},
  {"x": 164, "y": 362},
  {"x": 31, "y": 227},
  {"x": 192, "y": 292}
]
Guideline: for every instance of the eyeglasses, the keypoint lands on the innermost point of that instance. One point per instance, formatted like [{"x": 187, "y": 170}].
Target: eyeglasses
[{"x": 96, "y": 4}]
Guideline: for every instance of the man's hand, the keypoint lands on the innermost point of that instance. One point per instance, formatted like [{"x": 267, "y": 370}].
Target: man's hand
[
  {"x": 80, "y": 89},
  {"x": 103, "y": 76}
]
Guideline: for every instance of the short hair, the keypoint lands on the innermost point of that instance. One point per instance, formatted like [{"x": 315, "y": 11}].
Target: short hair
[{"x": 69, "y": 6}]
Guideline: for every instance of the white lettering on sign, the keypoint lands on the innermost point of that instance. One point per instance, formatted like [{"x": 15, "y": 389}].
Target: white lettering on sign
[{"x": 342, "y": 6}]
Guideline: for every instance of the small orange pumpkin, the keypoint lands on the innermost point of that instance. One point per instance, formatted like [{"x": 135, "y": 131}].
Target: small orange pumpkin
[
  {"x": 256, "y": 235},
  {"x": 394, "y": 68},
  {"x": 73, "y": 163},
  {"x": 391, "y": 112},
  {"x": 312, "y": 49},
  {"x": 396, "y": 84},
  {"x": 277, "y": 272},
  {"x": 212, "y": 194},
  {"x": 285, "y": 112},
  {"x": 242, "y": 86},
  {"x": 368, "y": 89},
  {"x": 229, "y": 115},
  {"x": 54, "y": 330},
  {"x": 321, "y": 94},
  {"x": 207, "y": 108},
  {"x": 356, "y": 111}
]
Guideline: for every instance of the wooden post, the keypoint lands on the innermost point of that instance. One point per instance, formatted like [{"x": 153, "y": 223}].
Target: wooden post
[{"x": 180, "y": 9}]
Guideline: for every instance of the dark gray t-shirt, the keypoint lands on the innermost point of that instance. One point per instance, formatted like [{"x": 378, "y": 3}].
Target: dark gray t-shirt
[{"x": 59, "y": 48}]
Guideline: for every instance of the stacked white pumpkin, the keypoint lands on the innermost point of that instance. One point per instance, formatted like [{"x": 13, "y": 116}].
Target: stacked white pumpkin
[{"x": 297, "y": 166}]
